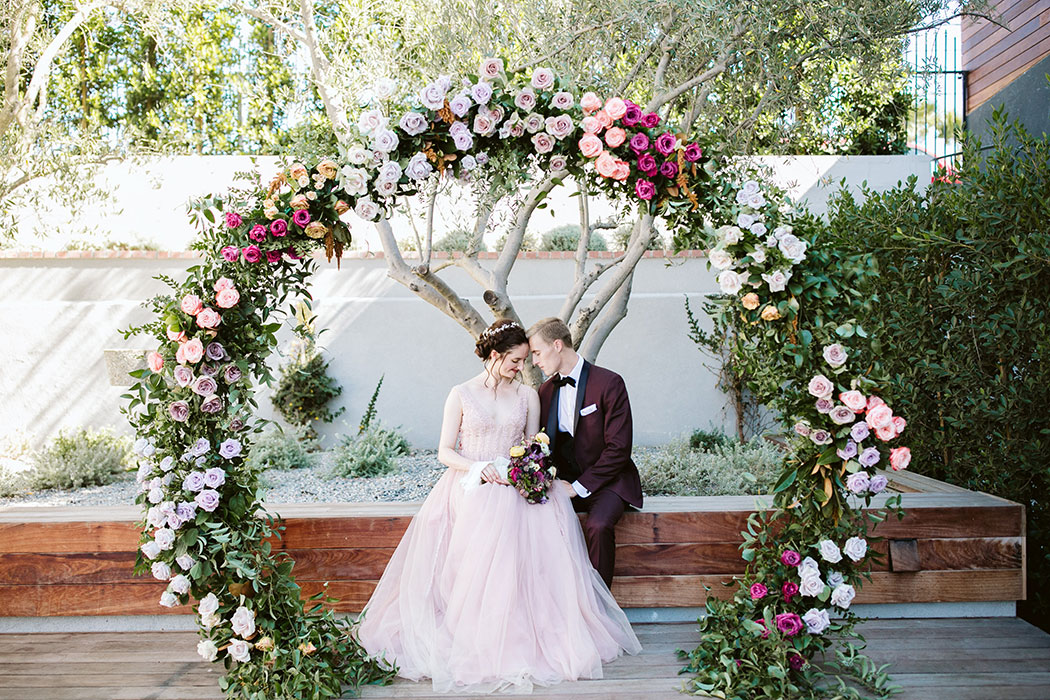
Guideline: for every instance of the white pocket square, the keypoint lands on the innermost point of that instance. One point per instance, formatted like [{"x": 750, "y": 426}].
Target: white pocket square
[{"x": 589, "y": 410}]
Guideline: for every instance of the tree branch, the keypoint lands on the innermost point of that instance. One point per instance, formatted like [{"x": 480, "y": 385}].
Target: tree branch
[
  {"x": 569, "y": 42},
  {"x": 515, "y": 236},
  {"x": 614, "y": 312},
  {"x": 719, "y": 67},
  {"x": 269, "y": 19},
  {"x": 319, "y": 67}
]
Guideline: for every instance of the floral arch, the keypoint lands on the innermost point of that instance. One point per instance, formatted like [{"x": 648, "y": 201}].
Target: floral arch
[{"x": 191, "y": 408}]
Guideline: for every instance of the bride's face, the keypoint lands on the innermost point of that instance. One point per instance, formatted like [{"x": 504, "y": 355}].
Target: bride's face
[{"x": 508, "y": 365}]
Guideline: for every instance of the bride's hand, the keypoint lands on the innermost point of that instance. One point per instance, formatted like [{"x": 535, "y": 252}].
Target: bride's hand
[{"x": 490, "y": 476}]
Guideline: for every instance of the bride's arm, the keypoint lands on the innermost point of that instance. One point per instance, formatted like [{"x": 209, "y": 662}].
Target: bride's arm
[
  {"x": 453, "y": 416},
  {"x": 532, "y": 423}
]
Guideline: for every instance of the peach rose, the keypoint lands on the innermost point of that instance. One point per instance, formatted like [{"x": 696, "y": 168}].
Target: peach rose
[
  {"x": 223, "y": 283},
  {"x": 315, "y": 229},
  {"x": 770, "y": 313},
  {"x": 623, "y": 170},
  {"x": 874, "y": 401},
  {"x": 191, "y": 304},
  {"x": 879, "y": 416},
  {"x": 606, "y": 165},
  {"x": 615, "y": 107},
  {"x": 300, "y": 201},
  {"x": 176, "y": 335},
  {"x": 750, "y": 301},
  {"x": 209, "y": 318},
  {"x": 615, "y": 136},
  {"x": 192, "y": 351},
  {"x": 590, "y": 103},
  {"x": 900, "y": 458},
  {"x": 854, "y": 400},
  {"x": 341, "y": 207},
  {"x": 591, "y": 146},
  {"x": 327, "y": 168},
  {"x": 226, "y": 299},
  {"x": 155, "y": 361},
  {"x": 899, "y": 424},
  {"x": 591, "y": 125},
  {"x": 602, "y": 116},
  {"x": 297, "y": 171}
]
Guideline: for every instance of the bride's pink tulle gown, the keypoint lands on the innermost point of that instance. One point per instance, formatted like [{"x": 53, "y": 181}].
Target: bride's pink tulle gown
[{"x": 487, "y": 592}]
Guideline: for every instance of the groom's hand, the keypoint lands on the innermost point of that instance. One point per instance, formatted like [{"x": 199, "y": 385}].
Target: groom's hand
[{"x": 567, "y": 487}]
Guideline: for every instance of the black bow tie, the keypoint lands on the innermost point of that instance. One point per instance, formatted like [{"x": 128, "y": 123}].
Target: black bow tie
[{"x": 562, "y": 381}]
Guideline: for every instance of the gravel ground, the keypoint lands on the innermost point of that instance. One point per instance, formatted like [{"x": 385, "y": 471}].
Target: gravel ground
[{"x": 416, "y": 474}]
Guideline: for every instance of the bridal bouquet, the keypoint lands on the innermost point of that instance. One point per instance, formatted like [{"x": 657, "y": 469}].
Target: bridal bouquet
[{"x": 530, "y": 470}]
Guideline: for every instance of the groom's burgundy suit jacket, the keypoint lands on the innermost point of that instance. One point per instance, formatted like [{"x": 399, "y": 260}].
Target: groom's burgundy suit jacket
[{"x": 602, "y": 437}]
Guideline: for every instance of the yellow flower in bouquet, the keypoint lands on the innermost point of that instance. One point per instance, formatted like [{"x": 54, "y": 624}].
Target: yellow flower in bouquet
[
  {"x": 517, "y": 451},
  {"x": 541, "y": 437}
]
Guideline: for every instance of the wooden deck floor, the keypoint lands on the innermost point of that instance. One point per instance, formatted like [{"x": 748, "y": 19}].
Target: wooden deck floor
[{"x": 938, "y": 659}]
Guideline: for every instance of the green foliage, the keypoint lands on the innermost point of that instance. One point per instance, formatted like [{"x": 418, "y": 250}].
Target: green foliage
[
  {"x": 80, "y": 458},
  {"x": 568, "y": 238},
  {"x": 276, "y": 449},
  {"x": 708, "y": 440},
  {"x": 959, "y": 311},
  {"x": 722, "y": 467},
  {"x": 459, "y": 240},
  {"x": 372, "y": 452},
  {"x": 305, "y": 389},
  {"x": 370, "y": 410}
]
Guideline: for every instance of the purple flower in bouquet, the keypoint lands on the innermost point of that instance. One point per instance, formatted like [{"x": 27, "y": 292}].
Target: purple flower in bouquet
[
  {"x": 847, "y": 452},
  {"x": 878, "y": 483},
  {"x": 236, "y": 425},
  {"x": 208, "y": 500},
  {"x": 414, "y": 123},
  {"x": 179, "y": 411},
  {"x": 215, "y": 351},
  {"x": 186, "y": 511},
  {"x": 789, "y": 590},
  {"x": 841, "y": 415},
  {"x": 204, "y": 386},
  {"x": 644, "y": 189},
  {"x": 789, "y": 624},
  {"x": 214, "y": 477},
  {"x": 209, "y": 370},
  {"x": 482, "y": 92},
  {"x": 194, "y": 481},
  {"x": 665, "y": 143},
  {"x": 183, "y": 375},
  {"x": 824, "y": 405},
  {"x": 230, "y": 448},
  {"x": 650, "y": 120},
  {"x": 231, "y": 253},
  {"x": 639, "y": 142},
  {"x": 460, "y": 104},
  {"x": 758, "y": 591},
  {"x": 669, "y": 169},
  {"x": 869, "y": 457},
  {"x": 860, "y": 431},
  {"x": 273, "y": 256},
  {"x": 278, "y": 227},
  {"x": 790, "y": 557},
  {"x": 232, "y": 374},
  {"x": 233, "y": 219},
  {"x": 258, "y": 233},
  {"x": 647, "y": 164},
  {"x": 211, "y": 404},
  {"x": 301, "y": 217},
  {"x": 820, "y": 437},
  {"x": 252, "y": 254},
  {"x": 200, "y": 447},
  {"x": 858, "y": 482},
  {"x": 693, "y": 153},
  {"x": 633, "y": 115}
]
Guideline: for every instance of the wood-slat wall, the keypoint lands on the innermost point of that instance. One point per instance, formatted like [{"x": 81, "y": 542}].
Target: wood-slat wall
[
  {"x": 995, "y": 56},
  {"x": 968, "y": 547}
]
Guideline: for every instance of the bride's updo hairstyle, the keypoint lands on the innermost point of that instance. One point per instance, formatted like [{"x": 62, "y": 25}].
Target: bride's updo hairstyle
[{"x": 501, "y": 336}]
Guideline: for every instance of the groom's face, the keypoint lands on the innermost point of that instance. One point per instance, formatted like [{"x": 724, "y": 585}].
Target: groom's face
[{"x": 545, "y": 355}]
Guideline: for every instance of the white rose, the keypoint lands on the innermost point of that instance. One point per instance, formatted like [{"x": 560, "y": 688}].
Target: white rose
[
  {"x": 777, "y": 280},
  {"x": 432, "y": 96},
  {"x": 829, "y": 551},
  {"x": 745, "y": 220},
  {"x": 384, "y": 140},
  {"x": 821, "y": 387},
  {"x": 354, "y": 181},
  {"x": 809, "y": 564},
  {"x": 209, "y": 605},
  {"x": 185, "y": 561},
  {"x": 816, "y": 620},
  {"x": 792, "y": 248},
  {"x": 243, "y": 622},
  {"x": 179, "y": 584},
  {"x": 721, "y": 259},
  {"x": 150, "y": 549},
  {"x": 758, "y": 255},
  {"x": 542, "y": 78},
  {"x": 366, "y": 209},
  {"x": 729, "y": 282},
  {"x": 240, "y": 650},
  {"x": 843, "y": 596},
  {"x": 156, "y": 495},
  {"x": 750, "y": 187},
  {"x": 384, "y": 88},
  {"x": 468, "y": 163},
  {"x": 835, "y": 579},
  {"x": 758, "y": 228},
  {"x": 210, "y": 620},
  {"x": 756, "y": 201},
  {"x": 413, "y": 123},
  {"x": 165, "y": 538},
  {"x": 391, "y": 171},
  {"x": 168, "y": 463},
  {"x": 370, "y": 120},
  {"x": 149, "y": 450},
  {"x": 139, "y": 445},
  {"x": 161, "y": 571},
  {"x": 358, "y": 155},
  {"x": 810, "y": 584},
  {"x": 730, "y": 234},
  {"x": 419, "y": 168},
  {"x": 385, "y": 188},
  {"x": 781, "y": 231},
  {"x": 168, "y": 599},
  {"x": 835, "y": 355},
  {"x": 855, "y": 548},
  {"x": 207, "y": 650}
]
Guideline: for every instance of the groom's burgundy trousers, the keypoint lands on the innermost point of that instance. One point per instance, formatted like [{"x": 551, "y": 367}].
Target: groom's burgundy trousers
[{"x": 603, "y": 509}]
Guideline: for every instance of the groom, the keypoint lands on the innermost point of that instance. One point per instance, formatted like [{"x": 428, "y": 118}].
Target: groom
[{"x": 585, "y": 412}]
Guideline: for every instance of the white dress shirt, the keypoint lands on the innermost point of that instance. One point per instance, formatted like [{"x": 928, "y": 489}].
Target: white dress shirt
[{"x": 567, "y": 413}]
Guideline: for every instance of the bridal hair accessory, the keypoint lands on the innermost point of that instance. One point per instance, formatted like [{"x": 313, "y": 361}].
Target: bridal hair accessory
[{"x": 489, "y": 332}]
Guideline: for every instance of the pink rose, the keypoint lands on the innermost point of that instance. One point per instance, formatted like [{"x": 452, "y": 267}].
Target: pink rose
[
  {"x": 258, "y": 233},
  {"x": 886, "y": 433},
  {"x": 591, "y": 146},
  {"x": 615, "y": 107},
  {"x": 543, "y": 142},
  {"x": 650, "y": 120},
  {"x": 854, "y": 400},
  {"x": 231, "y": 253},
  {"x": 226, "y": 299},
  {"x": 209, "y": 318},
  {"x": 874, "y": 401},
  {"x": 623, "y": 170},
  {"x": 193, "y": 350},
  {"x": 615, "y": 137},
  {"x": 278, "y": 227},
  {"x": 900, "y": 458},
  {"x": 899, "y": 424},
  {"x": 191, "y": 304},
  {"x": 603, "y": 117},
  {"x": 644, "y": 189},
  {"x": 821, "y": 387},
  {"x": 252, "y": 253},
  {"x": 176, "y": 335},
  {"x": 491, "y": 67},
  {"x": 591, "y": 125},
  {"x": 590, "y": 103},
  {"x": 223, "y": 283},
  {"x": 233, "y": 220},
  {"x": 879, "y": 416},
  {"x": 758, "y": 591},
  {"x": 179, "y": 411},
  {"x": 155, "y": 361},
  {"x": 605, "y": 165}
]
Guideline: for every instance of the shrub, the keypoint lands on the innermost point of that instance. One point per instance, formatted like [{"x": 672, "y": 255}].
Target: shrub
[
  {"x": 568, "y": 238},
  {"x": 459, "y": 239},
  {"x": 708, "y": 440},
  {"x": 727, "y": 469},
  {"x": 81, "y": 458},
  {"x": 305, "y": 388},
  {"x": 370, "y": 453},
  {"x": 276, "y": 449}
]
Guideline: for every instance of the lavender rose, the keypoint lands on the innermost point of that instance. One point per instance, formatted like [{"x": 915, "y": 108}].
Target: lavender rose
[
  {"x": 432, "y": 96},
  {"x": 179, "y": 411},
  {"x": 847, "y": 452},
  {"x": 855, "y": 548},
  {"x": 214, "y": 477},
  {"x": 211, "y": 404},
  {"x": 829, "y": 551},
  {"x": 860, "y": 431},
  {"x": 230, "y": 448},
  {"x": 858, "y": 482},
  {"x": 183, "y": 375},
  {"x": 835, "y": 355},
  {"x": 810, "y": 584},
  {"x": 165, "y": 538},
  {"x": 878, "y": 483},
  {"x": 816, "y": 620},
  {"x": 460, "y": 104},
  {"x": 185, "y": 512},
  {"x": 413, "y": 123},
  {"x": 482, "y": 92},
  {"x": 843, "y": 595},
  {"x": 820, "y": 437},
  {"x": 232, "y": 373},
  {"x": 842, "y": 415},
  {"x": 384, "y": 140},
  {"x": 215, "y": 351},
  {"x": 418, "y": 167},
  {"x": 200, "y": 447},
  {"x": 194, "y": 481},
  {"x": 821, "y": 387},
  {"x": 208, "y": 499},
  {"x": 205, "y": 386},
  {"x": 824, "y": 405},
  {"x": 869, "y": 457}
]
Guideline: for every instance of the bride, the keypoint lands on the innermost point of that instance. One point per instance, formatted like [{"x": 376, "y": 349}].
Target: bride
[{"x": 486, "y": 591}]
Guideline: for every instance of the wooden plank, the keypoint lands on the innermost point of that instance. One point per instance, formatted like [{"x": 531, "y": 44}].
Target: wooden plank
[
  {"x": 988, "y": 80},
  {"x": 975, "y": 31},
  {"x": 989, "y": 38},
  {"x": 904, "y": 555},
  {"x": 66, "y": 567},
  {"x": 100, "y": 536}
]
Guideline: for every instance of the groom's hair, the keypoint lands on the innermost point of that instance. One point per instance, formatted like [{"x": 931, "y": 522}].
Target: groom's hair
[{"x": 551, "y": 329}]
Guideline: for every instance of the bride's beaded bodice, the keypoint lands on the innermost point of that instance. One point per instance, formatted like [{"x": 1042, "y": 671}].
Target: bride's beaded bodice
[{"x": 484, "y": 434}]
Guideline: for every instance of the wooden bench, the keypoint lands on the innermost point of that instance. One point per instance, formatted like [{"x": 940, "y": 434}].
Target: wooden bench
[{"x": 954, "y": 545}]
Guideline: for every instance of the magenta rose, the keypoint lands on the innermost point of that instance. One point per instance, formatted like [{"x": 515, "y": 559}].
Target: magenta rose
[
  {"x": 647, "y": 164},
  {"x": 633, "y": 115},
  {"x": 669, "y": 169},
  {"x": 791, "y": 557},
  {"x": 291, "y": 253},
  {"x": 274, "y": 256},
  {"x": 644, "y": 189},
  {"x": 301, "y": 217},
  {"x": 231, "y": 253},
  {"x": 650, "y": 120},
  {"x": 693, "y": 153},
  {"x": 665, "y": 143},
  {"x": 278, "y": 227},
  {"x": 258, "y": 233},
  {"x": 252, "y": 253},
  {"x": 758, "y": 591},
  {"x": 789, "y": 590},
  {"x": 765, "y": 630},
  {"x": 179, "y": 411},
  {"x": 796, "y": 662},
  {"x": 639, "y": 142},
  {"x": 233, "y": 220},
  {"x": 789, "y": 624}
]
